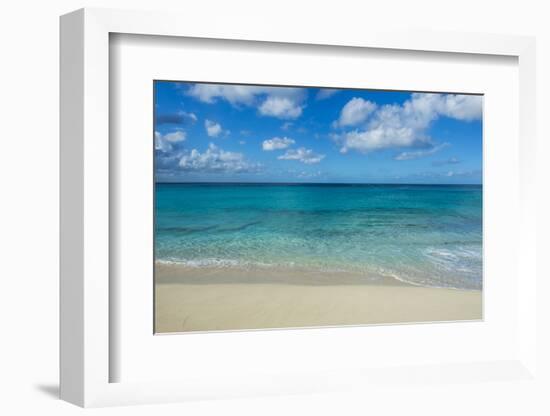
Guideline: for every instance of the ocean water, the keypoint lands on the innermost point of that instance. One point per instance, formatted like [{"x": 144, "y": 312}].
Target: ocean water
[{"x": 427, "y": 235}]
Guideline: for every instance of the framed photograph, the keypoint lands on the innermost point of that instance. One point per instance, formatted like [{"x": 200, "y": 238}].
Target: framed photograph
[
  {"x": 287, "y": 207},
  {"x": 296, "y": 201}
]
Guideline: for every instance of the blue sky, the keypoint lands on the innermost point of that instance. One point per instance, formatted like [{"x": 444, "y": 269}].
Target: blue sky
[{"x": 247, "y": 133}]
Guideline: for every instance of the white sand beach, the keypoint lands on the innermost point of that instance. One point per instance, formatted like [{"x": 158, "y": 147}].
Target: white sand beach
[{"x": 209, "y": 299}]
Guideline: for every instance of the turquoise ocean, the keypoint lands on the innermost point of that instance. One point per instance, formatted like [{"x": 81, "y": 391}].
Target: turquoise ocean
[{"x": 427, "y": 235}]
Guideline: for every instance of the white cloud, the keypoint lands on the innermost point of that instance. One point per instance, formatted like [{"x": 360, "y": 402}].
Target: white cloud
[
  {"x": 463, "y": 107},
  {"x": 355, "y": 112},
  {"x": 160, "y": 144},
  {"x": 469, "y": 174},
  {"x": 280, "y": 102},
  {"x": 175, "y": 136},
  {"x": 449, "y": 161},
  {"x": 286, "y": 125},
  {"x": 277, "y": 143},
  {"x": 308, "y": 175},
  {"x": 163, "y": 142},
  {"x": 215, "y": 159},
  {"x": 234, "y": 94},
  {"x": 280, "y": 107},
  {"x": 420, "y": 153},
  {"x": 381, "y": 137},
  {"x": 303, "y": 155},
  {"x": 325, "y": 93},
  {"x": 404, "y": 126},
  {"x": 213, "y": 129}
]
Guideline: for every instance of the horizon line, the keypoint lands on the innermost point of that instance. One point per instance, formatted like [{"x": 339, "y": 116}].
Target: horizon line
[{"x": 314, "y": 183}]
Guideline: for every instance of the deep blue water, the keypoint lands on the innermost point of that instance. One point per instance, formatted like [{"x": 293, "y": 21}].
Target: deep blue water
[{"x": 430, "y": 235}]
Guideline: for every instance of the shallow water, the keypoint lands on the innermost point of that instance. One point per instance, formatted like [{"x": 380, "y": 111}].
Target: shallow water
[{"x": 428, "y": 235}]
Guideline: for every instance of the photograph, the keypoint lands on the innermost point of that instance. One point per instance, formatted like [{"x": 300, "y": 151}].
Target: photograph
[{"x": 280, "y": 207}]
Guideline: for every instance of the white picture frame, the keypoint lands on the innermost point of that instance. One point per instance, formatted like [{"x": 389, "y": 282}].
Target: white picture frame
[{"x": 86, "y": 356}]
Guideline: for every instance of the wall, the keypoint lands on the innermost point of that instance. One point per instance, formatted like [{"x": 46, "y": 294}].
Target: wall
[{"x": 29, "y": 220}]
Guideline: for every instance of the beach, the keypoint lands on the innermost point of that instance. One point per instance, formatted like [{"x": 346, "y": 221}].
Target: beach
[
  {"x": 251, "y": 256},
  {"x": 214, "y": 298}
]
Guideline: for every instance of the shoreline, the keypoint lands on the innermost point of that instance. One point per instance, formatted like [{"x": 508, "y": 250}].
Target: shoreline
[
  {"x": 191, "y": 299},
  {"x": 172, "y": 272}
]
